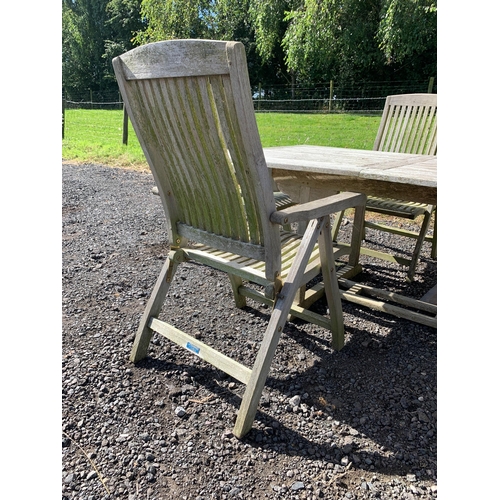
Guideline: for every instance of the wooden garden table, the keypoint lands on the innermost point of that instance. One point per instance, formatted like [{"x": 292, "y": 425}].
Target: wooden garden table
[{"x": 311, "y": 172}]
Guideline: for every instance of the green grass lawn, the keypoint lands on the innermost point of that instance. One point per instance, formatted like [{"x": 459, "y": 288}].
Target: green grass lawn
[{"x": 95, "y": 136}]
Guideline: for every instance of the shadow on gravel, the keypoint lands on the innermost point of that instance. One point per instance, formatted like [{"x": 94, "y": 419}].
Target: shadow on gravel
[{"x": 359, "y": 407}]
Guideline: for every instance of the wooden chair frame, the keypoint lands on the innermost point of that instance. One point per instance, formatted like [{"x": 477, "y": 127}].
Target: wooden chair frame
[{"x": 190, "y": 104}]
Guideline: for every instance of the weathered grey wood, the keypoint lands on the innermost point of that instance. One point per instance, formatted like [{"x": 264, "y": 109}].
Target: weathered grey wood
[
  {"x": 321, "y": 185},
  {"x": 420, "y": 311},
  {"x": 236, "y": 284},
  {"x": 354, "y": 293},
  {"x": 153, "y": 307},
  {"x": 392, "y": 296},
  {"x": 204, "y": 60},
  {"x": 318, "y": 208},
  {"x": 331, "y": 286},
  {"x": 202, "y": 350},
  {"x": 408, "y": 125},
  {"x": 249, "y": 250},
  {"x": 190, "y": 104},
  {"x": 398, "y": 230},
  {"x": 260, "y": 370},
  {"x": 352, "y": 164},
  {"x": 399, "y": 175}
]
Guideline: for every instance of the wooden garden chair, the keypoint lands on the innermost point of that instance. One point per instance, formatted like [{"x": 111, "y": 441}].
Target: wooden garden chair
[
  {"x": 408, "y": 125},
  {"x": 190, "y": 104}
]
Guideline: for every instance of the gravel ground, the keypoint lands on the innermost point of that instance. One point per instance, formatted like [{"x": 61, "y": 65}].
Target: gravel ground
[{"x": 354, "y": 424}]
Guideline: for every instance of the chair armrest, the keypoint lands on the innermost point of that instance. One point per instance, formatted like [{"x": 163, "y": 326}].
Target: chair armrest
[{"x": 318, "y": 208}]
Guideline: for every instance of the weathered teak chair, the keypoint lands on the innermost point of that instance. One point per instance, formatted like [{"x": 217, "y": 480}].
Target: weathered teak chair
[
  {"x": 408, "y": 125},
  {"x": 190, "y": 104}
]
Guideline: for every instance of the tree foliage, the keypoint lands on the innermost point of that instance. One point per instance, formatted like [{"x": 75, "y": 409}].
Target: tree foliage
[
  {"x": 82, "y": 43},
  {"x": 348, "y": 39},
  {"x": 408, "y": 33},
  {"x": 302, "y": 40},
  {"x": 93, "y": 32}
]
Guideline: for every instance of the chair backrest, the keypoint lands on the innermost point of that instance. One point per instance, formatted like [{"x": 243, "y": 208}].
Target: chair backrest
[
  {"x": 190, "y": 104},
  {"x": 409, "y": 124}
]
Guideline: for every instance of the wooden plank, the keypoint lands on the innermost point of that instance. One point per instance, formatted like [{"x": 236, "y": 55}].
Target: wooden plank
[
  {"x": 382, "y": 306},
  {"x": 202, "y": 350},
  {"x": 391, "y": 296},
  {"x": 321, "y": 185},
  {"x": 423, "y": 312},
  {"x": 164, "y": 59},
  {"x": 318, "y": 208},
  {"x": 239, "y": 247},
  {"x": 338, "y": 161}
]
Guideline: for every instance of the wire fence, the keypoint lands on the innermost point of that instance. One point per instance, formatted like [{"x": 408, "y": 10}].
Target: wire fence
[{"x": 323, "y": 97}]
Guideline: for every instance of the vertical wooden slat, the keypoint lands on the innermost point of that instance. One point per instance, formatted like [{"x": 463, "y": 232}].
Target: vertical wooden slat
[
  {"x": 235, "y": 143},
  {"x": 410, "y": 146},
  {"x": 424, "y": 135},
  {"x": 402, "y": 123},
  {"x": 170, "y": 161},
  {"x": 229, "y": 187},
  {"x": 391, "y": 126},
  {"x": 210, "y": 166},
  {"x": 408, "y": 126},
  {"x": 186, "y": 150}
]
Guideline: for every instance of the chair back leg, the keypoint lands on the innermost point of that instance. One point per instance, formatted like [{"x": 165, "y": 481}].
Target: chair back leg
[
  {"x": 418, "y": 245},
  {"x": 434, "y": 235},
  {"x": 331, "y": 287},
  {"x": 153, "y": 307}
]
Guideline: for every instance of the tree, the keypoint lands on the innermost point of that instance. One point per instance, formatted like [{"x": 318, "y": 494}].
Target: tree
[
  {"x": 83, "y": 44},
  {"x": 168, "y": 19},
  {"x": 212, "y": 19},
  {"x": 93, "y": 32},
  {"x": 123, "y": 21},
  {"x": 348, "y": 40},
  {"x": 408, "y": 34},
  {"x": 286, "y": 40}
]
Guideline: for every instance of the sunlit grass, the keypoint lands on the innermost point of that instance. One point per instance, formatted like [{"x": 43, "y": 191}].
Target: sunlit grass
[
  {"x": 336, "y": 130},
  {"x": 95, "y": 136}
]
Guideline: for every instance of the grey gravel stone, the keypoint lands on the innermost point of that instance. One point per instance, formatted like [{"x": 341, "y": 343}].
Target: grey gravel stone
[
  {"x": 299, "y": 485},
  {"x": 180, "y": 411},
  {"x": 359, "y": 413}
]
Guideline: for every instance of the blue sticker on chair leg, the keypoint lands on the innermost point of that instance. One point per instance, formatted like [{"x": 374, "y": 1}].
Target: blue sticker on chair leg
[{"x": 193, "y": 348}]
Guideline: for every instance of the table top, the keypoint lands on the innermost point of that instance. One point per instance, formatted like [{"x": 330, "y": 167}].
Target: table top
[{"x": 404, "y": 176}]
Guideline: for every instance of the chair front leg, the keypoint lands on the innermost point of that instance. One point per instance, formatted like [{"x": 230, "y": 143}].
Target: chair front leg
[{"x": 283, "y": 303}]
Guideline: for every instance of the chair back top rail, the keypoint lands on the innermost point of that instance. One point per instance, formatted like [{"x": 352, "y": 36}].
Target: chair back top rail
[{"x": 190, "y": 104}]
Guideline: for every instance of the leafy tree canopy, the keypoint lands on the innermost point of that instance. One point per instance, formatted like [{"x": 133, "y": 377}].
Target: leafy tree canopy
[{"x": 302, "y": 40}]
